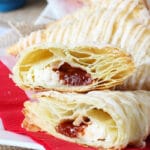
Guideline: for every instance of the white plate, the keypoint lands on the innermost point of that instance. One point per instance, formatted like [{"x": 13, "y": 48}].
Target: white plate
[{"x": 13, "y": 139}]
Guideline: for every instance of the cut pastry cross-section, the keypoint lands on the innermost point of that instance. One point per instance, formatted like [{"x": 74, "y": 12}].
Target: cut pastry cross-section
[
  {"x": 107, "y": 119},
  {"x": 77, "y": 69}
]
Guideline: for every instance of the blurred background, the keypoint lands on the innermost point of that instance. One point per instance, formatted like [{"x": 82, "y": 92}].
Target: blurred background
[
  {"x": 17, "y": 11},
  {"x": 19, "y": 18},
  {"x": 27, "y": 13}
]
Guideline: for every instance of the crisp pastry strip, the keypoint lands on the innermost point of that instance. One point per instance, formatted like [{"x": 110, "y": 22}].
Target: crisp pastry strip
[
  {"x": 102, "y": 119},
  {"x": 79, "y": 69}
]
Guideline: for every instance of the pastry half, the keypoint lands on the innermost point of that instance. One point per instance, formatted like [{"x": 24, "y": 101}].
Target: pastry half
[
  {"x": 102, "y": 119},
  {"x": 125, "y": 24},
  {"x": 80, "y": 69}
]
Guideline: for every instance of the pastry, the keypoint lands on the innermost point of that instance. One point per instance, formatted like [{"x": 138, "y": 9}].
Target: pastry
[
  {"x": 125, "y": 24},
  {"x": 80, "y": 69},
  {"x": 101, "y": 119},
  {"x": 94, "y": 17},
  {"x": 35, "y": 37}
]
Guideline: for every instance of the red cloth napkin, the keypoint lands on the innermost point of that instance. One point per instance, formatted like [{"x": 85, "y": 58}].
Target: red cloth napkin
[{"x": 11, "y": 104}]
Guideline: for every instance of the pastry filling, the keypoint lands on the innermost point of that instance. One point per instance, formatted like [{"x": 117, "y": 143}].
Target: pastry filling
[
  {"x": 71, "y": 129},
  {"x": 98, "y": 126},
  {"x": 57, "y": 74},
  {"x": 73, "y": 76}
]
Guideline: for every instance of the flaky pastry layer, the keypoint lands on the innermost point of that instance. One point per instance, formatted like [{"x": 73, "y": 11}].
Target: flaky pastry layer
[
  {"x": 80, "y": 69},
  {"x": 107, "y": 119}
]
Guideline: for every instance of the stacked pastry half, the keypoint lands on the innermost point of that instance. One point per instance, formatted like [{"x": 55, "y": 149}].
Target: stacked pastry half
[{"x": 76, "y": 69}]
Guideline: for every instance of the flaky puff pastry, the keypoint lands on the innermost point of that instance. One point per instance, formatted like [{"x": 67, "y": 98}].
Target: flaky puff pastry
[
  {"x": 80, "y": 69},
  {"x": 107, "y": 21},
  {"x": 125, "y": 24},
  {"x": 102, "y": 119}
]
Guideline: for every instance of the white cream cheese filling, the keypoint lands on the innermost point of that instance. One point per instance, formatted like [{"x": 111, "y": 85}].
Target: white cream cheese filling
[
  {"x": 94, "y": 132},
  {"x": 101, "y": 129},
  {"x": 42, "y": 77}
]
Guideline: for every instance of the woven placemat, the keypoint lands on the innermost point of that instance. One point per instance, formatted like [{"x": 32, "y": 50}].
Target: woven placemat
[{"x": 3, "y": 147}]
